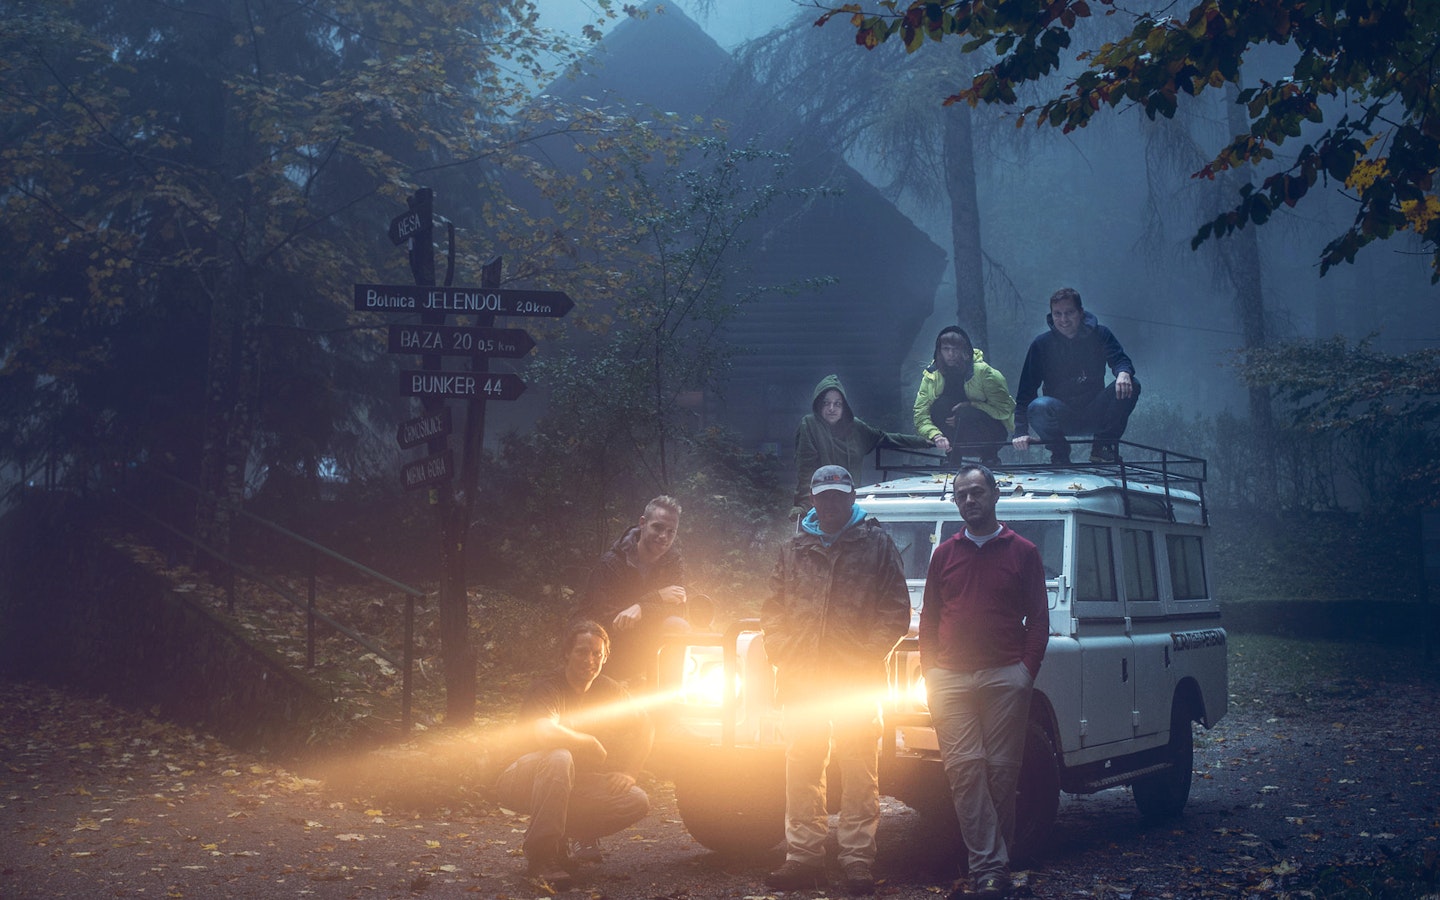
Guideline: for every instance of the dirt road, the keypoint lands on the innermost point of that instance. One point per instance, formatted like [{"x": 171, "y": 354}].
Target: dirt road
[{"x": 97, "y": 801}]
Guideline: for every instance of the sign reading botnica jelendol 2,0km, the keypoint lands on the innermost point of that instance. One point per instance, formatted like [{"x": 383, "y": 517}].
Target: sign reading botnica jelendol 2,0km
[{"x": 458, "y": 300}]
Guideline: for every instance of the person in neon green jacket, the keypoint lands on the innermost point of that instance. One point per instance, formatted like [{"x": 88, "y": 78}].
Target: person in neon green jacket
[{"x": 963, "y": 401}]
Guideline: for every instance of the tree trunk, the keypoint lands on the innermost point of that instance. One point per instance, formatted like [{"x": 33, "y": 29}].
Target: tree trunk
[
  {"x": 965, "y": 250},
  {"x": 1241, "y": 254},
  {"x": 232, "y": 373}
]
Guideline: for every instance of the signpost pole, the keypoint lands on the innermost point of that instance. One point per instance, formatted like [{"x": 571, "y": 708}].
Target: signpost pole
[
  {"x": 422, "y": 266},
  {"x": 475, "y": 419},
  {"x": 433, "y": 340}
]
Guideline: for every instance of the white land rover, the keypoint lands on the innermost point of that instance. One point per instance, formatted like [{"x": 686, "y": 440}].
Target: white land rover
[{"x": 1136, "y": 655}]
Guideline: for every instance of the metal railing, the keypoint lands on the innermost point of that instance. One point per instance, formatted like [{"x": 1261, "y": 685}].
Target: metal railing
[
  {"x": 1137, "y": 464},
  {"x": 403, "y": 661}
]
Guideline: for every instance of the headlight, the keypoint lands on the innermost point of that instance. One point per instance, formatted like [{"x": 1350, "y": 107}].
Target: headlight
[{"x": 703, "y": 680}]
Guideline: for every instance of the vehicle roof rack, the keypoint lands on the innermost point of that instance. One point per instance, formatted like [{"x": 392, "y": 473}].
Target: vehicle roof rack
[{"x": 1169, "y": 470}]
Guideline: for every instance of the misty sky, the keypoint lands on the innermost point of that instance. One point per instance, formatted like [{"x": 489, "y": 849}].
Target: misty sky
[{"x": 730, "y": 22}]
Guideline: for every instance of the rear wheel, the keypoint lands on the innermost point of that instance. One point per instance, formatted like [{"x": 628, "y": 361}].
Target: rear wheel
[
  {"x": 1163, "y": 795},
  {"x": 732, "y": 800}
]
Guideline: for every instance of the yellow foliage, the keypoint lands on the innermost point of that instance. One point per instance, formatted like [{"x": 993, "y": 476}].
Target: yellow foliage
[
  {"x": 1420, "y": 213},
  {"x": 1365, "y": 173}
]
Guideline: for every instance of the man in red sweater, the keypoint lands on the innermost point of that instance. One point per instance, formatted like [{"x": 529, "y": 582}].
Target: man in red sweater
[{"x": 983, "y": 631}]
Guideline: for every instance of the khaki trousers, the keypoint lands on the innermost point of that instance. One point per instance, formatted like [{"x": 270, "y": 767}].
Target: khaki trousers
[
  {"x": 980, "y": 720},
  {"x": 853, "y": 730}
]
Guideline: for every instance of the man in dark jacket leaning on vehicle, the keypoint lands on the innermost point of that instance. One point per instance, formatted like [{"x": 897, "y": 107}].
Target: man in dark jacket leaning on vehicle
[
  {"x": 637, "y": 591},
  {"x": 1068, "y": 362},
  {"x": 838, "y": 604}
]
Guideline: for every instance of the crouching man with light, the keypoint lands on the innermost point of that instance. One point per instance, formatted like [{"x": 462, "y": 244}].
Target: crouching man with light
[{"x": 585, "y": 742}]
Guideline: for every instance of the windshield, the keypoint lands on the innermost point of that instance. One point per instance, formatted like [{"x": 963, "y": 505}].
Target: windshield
[
  {"x": 915, "y": 540},
  {"x": 1048, "y": 536}
]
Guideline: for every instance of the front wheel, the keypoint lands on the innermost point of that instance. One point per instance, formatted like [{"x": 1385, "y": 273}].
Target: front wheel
[
  {"x": 924, "y": 788},
  {"x": 1163, "y": 795},
  {"x": 1037, "y": 801},
  {"x": 732, "y": 800}
]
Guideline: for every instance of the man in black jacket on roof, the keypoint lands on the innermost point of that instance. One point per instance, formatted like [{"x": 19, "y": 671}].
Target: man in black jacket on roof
[{"x": 1068, "y": 364}]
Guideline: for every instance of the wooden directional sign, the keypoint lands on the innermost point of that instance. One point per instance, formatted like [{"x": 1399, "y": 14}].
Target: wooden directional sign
[
  {"x": 465, "y": 385},
  {"x": 460, "y": 300},
  {"x": 404, "y": 226},
  {"x": 452, "y": 340},
  {"x": 426, "y": 428},
  {"x": 428, "y": 471}
]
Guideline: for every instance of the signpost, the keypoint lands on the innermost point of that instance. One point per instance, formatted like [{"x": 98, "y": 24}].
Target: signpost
[
  {"x": 453, "y": 340},
  {"x": 404, "y": 226},
  {"x": 464, "y": 385},
  {"x": 428, "y": 471},
  {"x": 458, "y": 300},
  {"x": 433, "y": 340},
  {"x": 428, "y": 427}
]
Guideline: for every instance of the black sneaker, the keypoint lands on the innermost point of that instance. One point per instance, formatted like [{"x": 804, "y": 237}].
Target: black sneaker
[
  {"x": 1104, "y": 453},
  {"x": 859, "y": 882},
  {"x": 550, "y": 872},
  {"x": 992, "y": 887},
  {"x": 795, "y": 876},
  {"x": 586, "y": 851}
]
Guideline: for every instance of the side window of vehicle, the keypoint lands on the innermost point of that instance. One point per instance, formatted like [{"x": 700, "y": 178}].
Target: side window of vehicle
[
  {"x": 1048, "y": 536},
  {"x": 1094, "y": 564},
  {"x": 1187, "y": 566},
  {"x": 1137, "y": 550}
]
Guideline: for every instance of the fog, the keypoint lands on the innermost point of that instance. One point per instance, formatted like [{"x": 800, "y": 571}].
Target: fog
[
  {"x": 1087, "y": 210},
  {"x": 730, "y": 23}
]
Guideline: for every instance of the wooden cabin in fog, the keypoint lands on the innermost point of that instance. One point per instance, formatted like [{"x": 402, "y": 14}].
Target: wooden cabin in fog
[{"x": 886, "y": 270}]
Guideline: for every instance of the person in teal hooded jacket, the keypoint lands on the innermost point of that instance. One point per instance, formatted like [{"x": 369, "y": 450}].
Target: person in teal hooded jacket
[
  {"x": 831, "y": 435},
  {"x": 837, "y": 606},
  {"x": 964, "y": 400}
]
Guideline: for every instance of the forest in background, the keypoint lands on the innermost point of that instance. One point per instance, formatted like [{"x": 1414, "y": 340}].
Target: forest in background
[{"x": 194, "y": 188}]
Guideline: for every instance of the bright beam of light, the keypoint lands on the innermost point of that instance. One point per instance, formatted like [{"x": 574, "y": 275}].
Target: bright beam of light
[{"x": 919, "y": 699}]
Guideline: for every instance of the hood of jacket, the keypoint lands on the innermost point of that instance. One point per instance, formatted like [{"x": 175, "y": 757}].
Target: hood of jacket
[
  {"x": 1088, "y": 322},
  {"x": 831, "y": 382},
  {"x": 811, "y": 523},
  {"x": 977, "y": 358}
]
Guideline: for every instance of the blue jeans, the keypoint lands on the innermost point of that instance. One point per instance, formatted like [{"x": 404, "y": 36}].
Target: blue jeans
[
  {"x": 1103, "y": 415},
  {"x": 980, "y": 720}
]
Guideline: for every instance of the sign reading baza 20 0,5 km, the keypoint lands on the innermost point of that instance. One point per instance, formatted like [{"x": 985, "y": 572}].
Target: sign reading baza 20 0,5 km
[{"x": 457, "y": 300}]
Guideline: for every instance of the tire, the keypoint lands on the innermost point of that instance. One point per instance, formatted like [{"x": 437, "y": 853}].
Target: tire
[
  {"x": 733, "y": 800},
  {"x": 1163, "y": 795},
  {"x": 1038, "y": 799}
]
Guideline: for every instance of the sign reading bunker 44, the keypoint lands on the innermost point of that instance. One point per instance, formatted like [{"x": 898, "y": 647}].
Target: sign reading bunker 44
[{"x": 465, "y": 385}]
